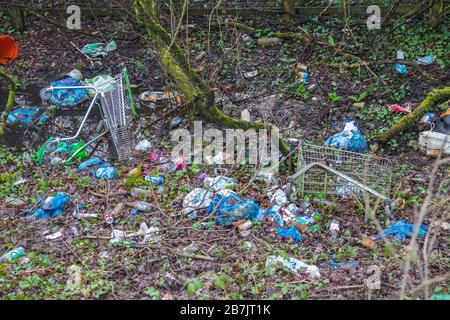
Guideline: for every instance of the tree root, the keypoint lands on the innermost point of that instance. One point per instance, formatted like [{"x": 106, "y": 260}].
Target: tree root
[{"x": 433, "y": 98}]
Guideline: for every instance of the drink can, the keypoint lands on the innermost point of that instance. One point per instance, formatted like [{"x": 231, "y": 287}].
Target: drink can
[{"x": 108, "y": 218}]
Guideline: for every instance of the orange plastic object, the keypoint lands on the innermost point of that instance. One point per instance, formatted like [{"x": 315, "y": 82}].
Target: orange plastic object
[{"x": 9, "y": 49}]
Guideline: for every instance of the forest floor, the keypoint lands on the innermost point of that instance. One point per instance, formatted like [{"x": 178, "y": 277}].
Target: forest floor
[{"x": 223, "y": 264}]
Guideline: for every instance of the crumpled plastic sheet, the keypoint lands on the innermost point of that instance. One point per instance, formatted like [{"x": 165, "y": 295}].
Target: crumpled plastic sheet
[
  {"x": 402, "y": 230},
  {"x": 230, "y": 208},
  {"x": 52, "y": 206},
  {"x": 24, "y": 115},
  {"x": 293, "y": 264},
  {"x": 289, "y": 233}
]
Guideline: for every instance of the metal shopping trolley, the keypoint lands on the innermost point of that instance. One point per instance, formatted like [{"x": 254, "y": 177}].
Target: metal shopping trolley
[
  {"x": 330, "y": 171},
  {"x": 117, "y": 108}
]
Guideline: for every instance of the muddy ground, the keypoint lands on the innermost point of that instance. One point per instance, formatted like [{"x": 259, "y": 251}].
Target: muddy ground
[{"x": 226, "y": 265}]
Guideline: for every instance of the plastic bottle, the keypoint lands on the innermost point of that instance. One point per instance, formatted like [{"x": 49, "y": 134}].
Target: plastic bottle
[
  {"x": 157, "y": 180},
  {"x": 88, "y": 163},
  {"x": 105, "y": 171},
  {"x": 138, "y": 192},
  {"x": 13, "y": 255},
  {"x": 141, "y": 206}
]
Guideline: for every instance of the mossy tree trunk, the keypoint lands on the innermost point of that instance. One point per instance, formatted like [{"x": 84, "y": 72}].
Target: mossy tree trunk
[
  {"x": 433, "y": 98},
  {"x": 9, "y": 101},
  {"x": 289, "y": 11},
  {"x": 193, "y": 88}
]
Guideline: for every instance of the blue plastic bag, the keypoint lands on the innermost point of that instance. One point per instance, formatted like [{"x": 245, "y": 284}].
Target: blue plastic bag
[
  {"x": 290, "y": 233},
  {"x": 68, "y": 97},
  {"x": 349, "y": 139},
  {"x": 105, "y": 171},
  {"x": 88, "y": 163},
  {"x": 402, "y": 230},
  {"x": 230, "y": 208},
  {"x": 400, "y": 68},
  {"x": 24, "y": 115},
  {"x": 52, "y": 206}
]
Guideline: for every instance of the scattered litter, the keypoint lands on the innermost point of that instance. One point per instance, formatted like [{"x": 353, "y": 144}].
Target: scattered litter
[
  {"x": 117, "y": 236},
  {"x": 442, "y": 125},
  {"x": 400, "y": 68},
  {"x": 105, "y": 171},
  {"x": 279, "y": 197},
  {"x": 368, "y": 243},
  {"x": 25, "y": 116},
  {"x": 157, "y": 180},
  {"x": 334, "y": 229},
  {"x": 428, "y": 118},
  {"x": 99, "y": 82},
  {"x": 244, "y": 228},
  {"x": 245, "y": 115},
  {"x": 175, "y": 122},
  {"x": 75, "y": 74},
  {"x": 432, "y": 143},
  {"x": 402, "y": 230},
  {"x": 88, "y": 163},
  {"x": 20, "y": 181},
  {"x": 425, "y": 61},
  {"x": 250, "y": 74},
  {"x": 141, "y": 206},
  {"x": 147, "y": 233},
  {"x": 198, "y": 198},
  {"x": 440, "y": 297},
  {"x": 289, "y": 233},
  {"x": 229, "y": 208},
  {"x": 302, "y": 73},
  {"x": 54, "y": 236},
  {"x": 349, "y": 139},
  {"x": 52, "y": 206},
  {"x": 12, "y": 255},
  {"x": 95, "y": 50},
  {"x": 293, "y": 265},
  {"x": 143, "y": 145},
  {"x": 118, "y": 209},
  {"x": 347, "y": 189},
  {"x": 269, "y": 41},
  {"x": 108, "y": 218},
  {"x": 400, "y": 109},
  {"x": 246, "y": 38},
  {"x": 9, "y": 49},
  {"x": 159, "y": 96},
  {"x": 138, "y": 192},
  {"x": 65, "y": 97},
  {"x": 203, "y": 225},
  {"x": 343, "y": 265},
  {"x": 14, "y": 202},
  {"x": 219, "y": 183},
  {"x": 135, "y": 172}
]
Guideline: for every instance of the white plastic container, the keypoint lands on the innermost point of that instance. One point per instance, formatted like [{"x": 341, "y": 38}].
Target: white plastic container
[{"x": 432, "y": 142}]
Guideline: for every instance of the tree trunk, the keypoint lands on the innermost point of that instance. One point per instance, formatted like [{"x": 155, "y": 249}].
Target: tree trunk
[
  {"x": 9, "y": 102},
  {"x": 289, "y": 11},
  {"x": 432, "y": 99},
  {"x": 194, "y": 90}
]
